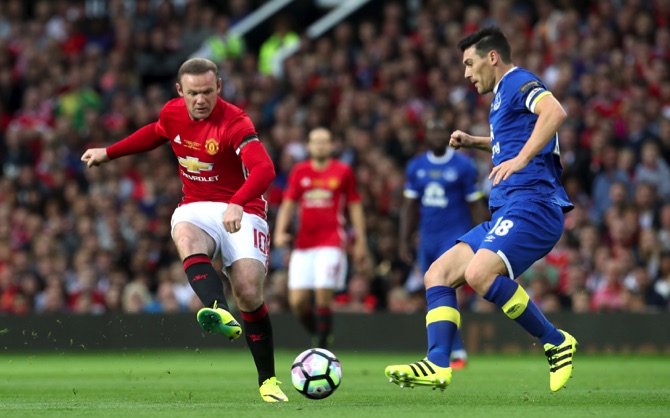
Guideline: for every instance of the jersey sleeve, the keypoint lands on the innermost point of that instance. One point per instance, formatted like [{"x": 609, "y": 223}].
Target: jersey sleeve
[
  {"x": 239, "y": 129},
  {"x": 160, "y": 126},
  {"x": 411, "y": 190},
  {"x": 292, "y": 191},
  {"x": 144, "y": 139},
  {"x": 472, "y": 191},
  {"x": 349, "y": 186},
  {"x": 528, "y": 91}
]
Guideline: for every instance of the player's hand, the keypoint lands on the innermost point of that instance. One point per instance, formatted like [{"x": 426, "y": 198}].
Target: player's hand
[
  {"x": 95, "y": 156},
  {"x": 360, "y": 252},
  {"x": 405, "y": 253},
  {"x": 362, "y": 259},
  {"x": 232, "y": 218},
  {"x": 505, "y": 169},
  {"x": 281, "y": 239},
  {"x": 460, "y": 139}
]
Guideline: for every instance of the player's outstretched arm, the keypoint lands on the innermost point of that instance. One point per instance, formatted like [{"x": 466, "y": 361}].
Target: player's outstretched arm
[
  {"x": 281, "y": 237},
  {"x": 144, "y": 139},
  {"x": 95, "y": 156},
  {"x": 550, "y": 117},
  {"x": 261, "y": 173},
  {"x": 460, "y": 139},
  {"x": 409, "y": 218},
  {"x": 361, "y": 253}
]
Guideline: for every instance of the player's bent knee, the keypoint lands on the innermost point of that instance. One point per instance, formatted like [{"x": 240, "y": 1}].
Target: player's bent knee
[
  {"x": 190, "y": 239},
  {"x": 478, "y": 278},
  {"x": 248, "y": 296},
  {"x": 436, "y": 276},
  {"x": 432, "y": 278}
]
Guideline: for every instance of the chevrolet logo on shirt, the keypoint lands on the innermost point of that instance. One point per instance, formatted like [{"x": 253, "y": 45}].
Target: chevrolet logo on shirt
[{"x": 193, "y": 165}]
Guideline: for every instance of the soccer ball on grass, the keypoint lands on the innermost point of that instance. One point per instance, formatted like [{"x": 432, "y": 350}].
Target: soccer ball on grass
[{"x": 316, "y": 373}]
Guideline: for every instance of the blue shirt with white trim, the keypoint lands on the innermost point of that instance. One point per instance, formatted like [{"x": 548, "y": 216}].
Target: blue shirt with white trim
[
  {"x": 444, "y": 186},
  {"x": 511, "y": 122}
]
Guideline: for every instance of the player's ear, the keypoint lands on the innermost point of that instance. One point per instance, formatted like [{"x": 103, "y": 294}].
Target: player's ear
[
  {"x": 179, "y": 90},
  {"x": 219, "y": 84},
  {"x": 493, "y": 57}
]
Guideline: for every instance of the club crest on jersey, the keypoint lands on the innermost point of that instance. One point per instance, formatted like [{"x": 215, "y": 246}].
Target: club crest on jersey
[
  {"x": 333, "y": 183},
  {"x": 211, "y": 146},
  {"x": 193, "y": 165},
  {"x": 496, "y": 101},
  {"x": 450, "y": 175}
]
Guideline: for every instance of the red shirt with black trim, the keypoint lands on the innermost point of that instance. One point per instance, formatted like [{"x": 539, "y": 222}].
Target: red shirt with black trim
[
  {"x": 211, "y": 162},
  {"x": 321, "y": 195}
]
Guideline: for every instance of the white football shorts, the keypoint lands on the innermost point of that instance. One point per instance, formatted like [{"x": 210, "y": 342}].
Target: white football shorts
[
  {"x": 251, "y": 241},
  {"x": 317, "y": 268}
]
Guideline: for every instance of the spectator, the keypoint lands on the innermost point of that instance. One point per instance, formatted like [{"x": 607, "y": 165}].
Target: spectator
[
  {"x": 221, "y": 45},
  {"x": 608, "y": 295},
  {"x": 653, "y": 169},
  {"x": 69, "y": 81},
  {"x": 358, "y": 298},
  {"x": 282, "y": 37}
]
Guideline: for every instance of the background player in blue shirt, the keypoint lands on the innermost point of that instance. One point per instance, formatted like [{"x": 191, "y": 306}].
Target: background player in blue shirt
[
  {"x": 440, "y": 186},
  {"x": 527, "y": 204}
]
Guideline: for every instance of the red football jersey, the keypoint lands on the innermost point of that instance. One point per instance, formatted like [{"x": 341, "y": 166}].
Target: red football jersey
[
  {"x": 321, "y": 195},
  {"x": 208, "y": 152}
]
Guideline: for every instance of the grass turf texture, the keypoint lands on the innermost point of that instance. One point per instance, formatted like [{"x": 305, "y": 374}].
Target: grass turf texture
[{"x": 223, "y": 383}]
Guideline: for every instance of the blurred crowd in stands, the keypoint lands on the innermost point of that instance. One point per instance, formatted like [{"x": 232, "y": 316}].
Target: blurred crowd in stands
[{"x": 98, "y": 240}]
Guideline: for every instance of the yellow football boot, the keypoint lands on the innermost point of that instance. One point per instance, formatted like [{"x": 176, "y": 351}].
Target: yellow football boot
[
  {"x": 270, "y": 391},
  {"x": 219, "y": 321},
  {"x": 421, "y": 373},
  {"x": 560, "y": 361}
]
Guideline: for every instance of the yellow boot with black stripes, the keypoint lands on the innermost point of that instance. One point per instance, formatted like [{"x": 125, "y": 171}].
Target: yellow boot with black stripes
[
  {"x": 421, "y": 373},
  {"x": 560, "y": 361}
]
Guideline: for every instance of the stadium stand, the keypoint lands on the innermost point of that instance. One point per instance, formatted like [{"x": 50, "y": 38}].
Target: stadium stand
[{"x": 94, "y": 241}]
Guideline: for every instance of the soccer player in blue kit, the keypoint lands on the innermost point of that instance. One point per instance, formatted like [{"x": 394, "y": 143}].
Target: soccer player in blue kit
[
  {"x": 440, "y": 184},
  {"x": 527, "y": 203}
]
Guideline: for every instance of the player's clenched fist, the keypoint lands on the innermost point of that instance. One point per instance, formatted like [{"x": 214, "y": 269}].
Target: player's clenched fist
[
  {"x": 232, "y": 218},
  {"x": 95, "y": 156},
  {"x": 459, "y": 139}
]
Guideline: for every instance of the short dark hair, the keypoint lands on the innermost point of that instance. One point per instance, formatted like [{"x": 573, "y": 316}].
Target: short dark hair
[
  {"x": 197, "y": 66},
  {"x": 488, "y": 39}
]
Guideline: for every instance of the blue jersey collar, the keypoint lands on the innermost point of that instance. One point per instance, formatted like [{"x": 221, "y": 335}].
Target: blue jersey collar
[
  {"x": 495, "y": 89},
  {"x": 440, "y": 160}
]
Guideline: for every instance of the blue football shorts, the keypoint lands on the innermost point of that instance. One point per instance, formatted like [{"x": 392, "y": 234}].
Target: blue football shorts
[
  {"x": 431, "y": 249},
  {"x": 520, "y": 233}
]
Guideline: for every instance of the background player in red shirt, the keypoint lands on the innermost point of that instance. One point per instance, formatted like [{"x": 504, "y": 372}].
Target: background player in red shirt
[
  {"x": 225, "y": 169},
  {"x": 320, "y": 187}
]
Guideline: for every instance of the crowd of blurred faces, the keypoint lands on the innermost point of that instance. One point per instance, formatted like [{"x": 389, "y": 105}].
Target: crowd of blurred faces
[{"x": 98, "y": 240}]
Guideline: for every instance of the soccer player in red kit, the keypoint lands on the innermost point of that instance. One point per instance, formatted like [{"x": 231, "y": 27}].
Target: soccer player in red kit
[
  {"x": 320, "y": 187},
  {"x": 225, "y": 170}
]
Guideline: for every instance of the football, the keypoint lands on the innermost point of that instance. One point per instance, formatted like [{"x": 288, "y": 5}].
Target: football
[{"x": 316, "y": 373}]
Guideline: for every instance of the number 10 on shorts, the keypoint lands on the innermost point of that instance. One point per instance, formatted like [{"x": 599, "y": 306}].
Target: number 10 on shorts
[{"x": 261, "y": 241}]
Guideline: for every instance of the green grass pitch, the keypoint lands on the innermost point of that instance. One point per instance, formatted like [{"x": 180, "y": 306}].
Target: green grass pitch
[{"x": 223, "y": 383}]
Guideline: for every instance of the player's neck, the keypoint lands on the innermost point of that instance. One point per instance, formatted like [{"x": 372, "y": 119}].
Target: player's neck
[
  {"x": 501, "y": 70},
  {"x": 320, "y": 164}
]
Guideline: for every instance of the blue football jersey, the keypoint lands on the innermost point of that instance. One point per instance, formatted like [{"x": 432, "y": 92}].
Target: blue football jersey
[
  {"x": 444, "y": 186},
  {"x": 512, "y": 122}
]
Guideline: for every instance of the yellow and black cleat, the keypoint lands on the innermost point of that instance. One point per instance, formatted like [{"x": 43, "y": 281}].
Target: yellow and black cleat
[
  {"x": 219, "y": 321},
  {"x": 421, "y": 373},
  {"x": 560, "y": 361},
  {"x": 270, "y": 391}
]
